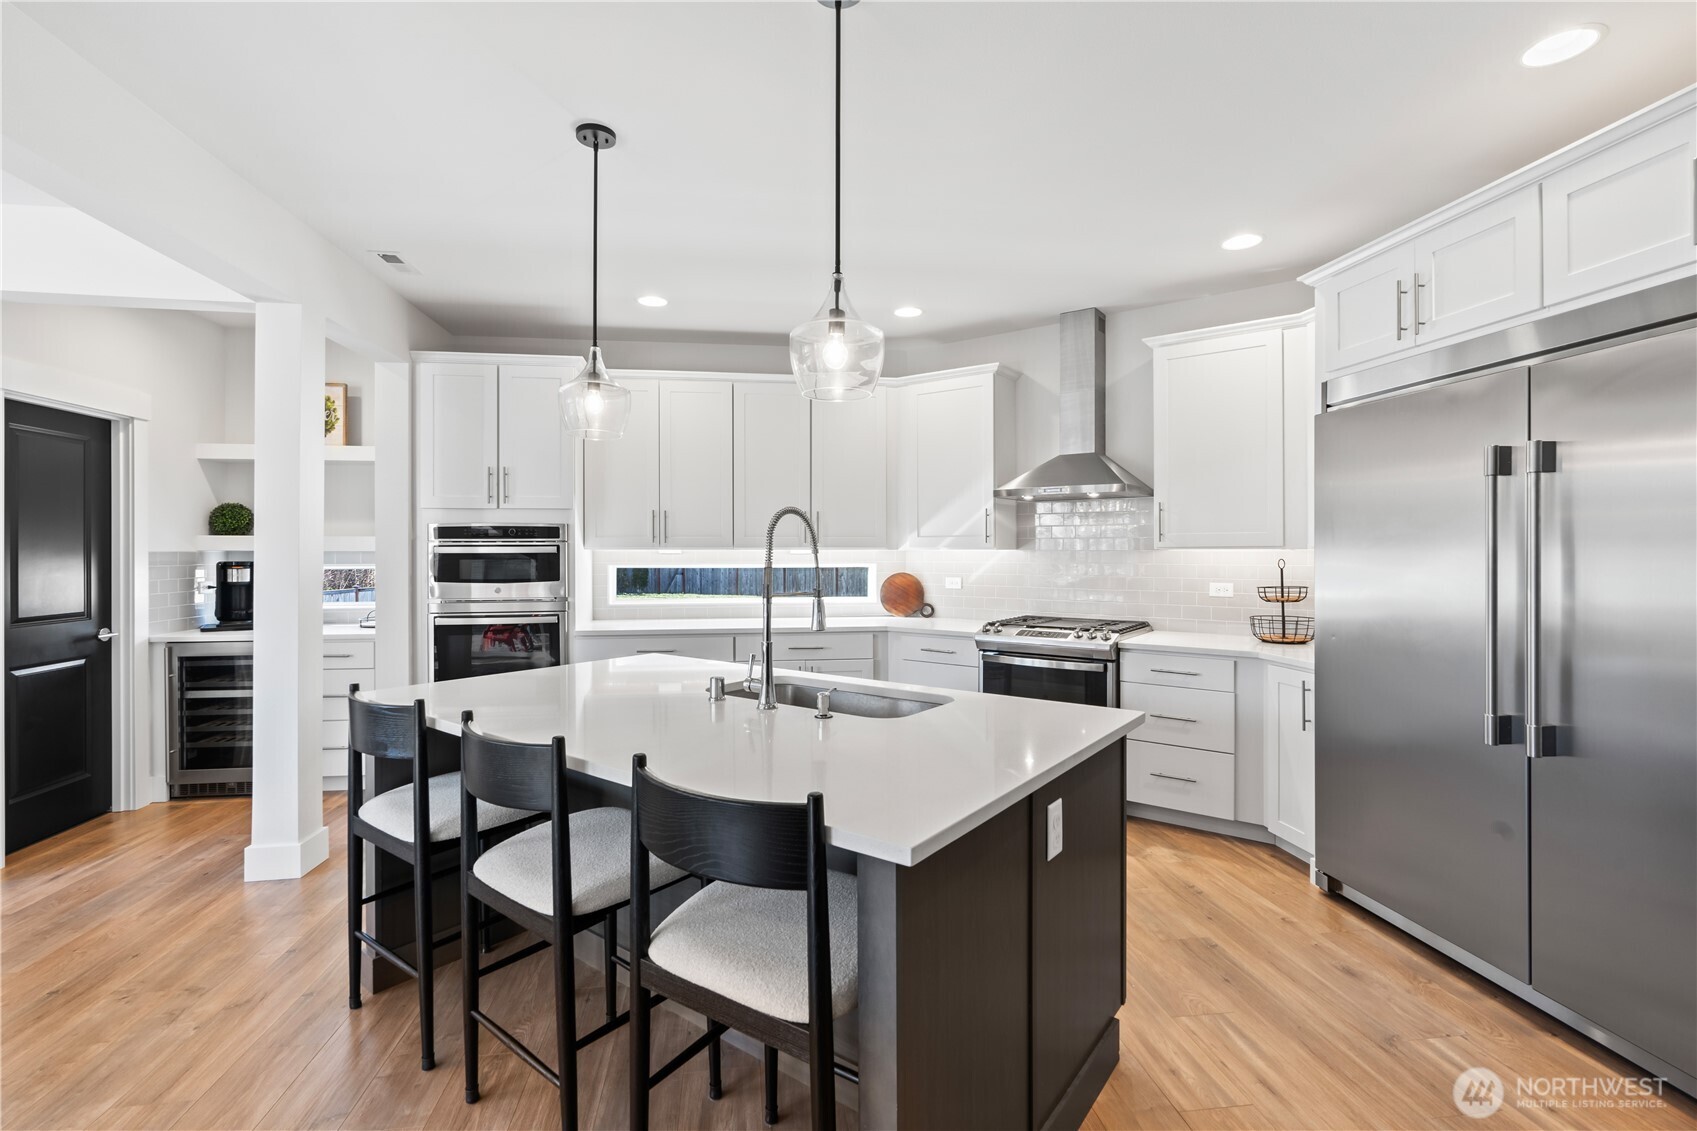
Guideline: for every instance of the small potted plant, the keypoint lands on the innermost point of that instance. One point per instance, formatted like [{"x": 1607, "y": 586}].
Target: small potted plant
[{"x": 230, "y": 519}]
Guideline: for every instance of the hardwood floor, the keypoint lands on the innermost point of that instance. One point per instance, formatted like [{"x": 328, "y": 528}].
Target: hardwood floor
[{"x": 142, "y": 984}]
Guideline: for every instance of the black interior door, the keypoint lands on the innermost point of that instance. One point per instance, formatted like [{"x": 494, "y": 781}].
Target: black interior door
[{"x": 59, "y": 596}]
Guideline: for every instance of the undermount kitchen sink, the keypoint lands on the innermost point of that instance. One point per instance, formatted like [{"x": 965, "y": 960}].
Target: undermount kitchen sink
[{"x": 862, "y": 704}]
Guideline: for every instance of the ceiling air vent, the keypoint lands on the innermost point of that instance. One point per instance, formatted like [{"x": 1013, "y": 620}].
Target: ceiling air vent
[{"x": 396, "y": 262}]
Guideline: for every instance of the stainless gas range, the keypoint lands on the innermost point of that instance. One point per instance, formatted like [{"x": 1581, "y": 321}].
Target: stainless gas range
[{"x": 1072, "y": 659}]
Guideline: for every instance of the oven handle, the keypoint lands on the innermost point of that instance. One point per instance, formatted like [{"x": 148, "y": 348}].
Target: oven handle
[
  {"x": 1037, "y": 662},
  {"x": 520, "y": 618},
  {"x": 499, "y": 547}
]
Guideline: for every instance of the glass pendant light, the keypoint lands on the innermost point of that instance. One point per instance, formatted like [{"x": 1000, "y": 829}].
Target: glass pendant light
[
  {"x": 836, "y": 356},
  {"x": 592, "y": 404}
]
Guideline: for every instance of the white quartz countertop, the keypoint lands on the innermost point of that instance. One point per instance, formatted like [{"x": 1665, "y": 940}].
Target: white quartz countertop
[
  {"x": 1222, "y": 644},
  {"x": 895, "y": 789},
  {"x": 331, "y": 632},
  {"x": 751, "y": 624}
]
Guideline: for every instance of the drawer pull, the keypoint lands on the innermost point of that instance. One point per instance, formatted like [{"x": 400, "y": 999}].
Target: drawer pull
[
  {"x": 655, "y": 651},
  {"x": 805, "y": 647},
  {"x": 1171, "y": 777},
  {"x": 1173, "y": 718},
  {"x": 940, "y": 651},
  {"x": 1173, "y": 671},
  {"x": 338, "y": 655}
]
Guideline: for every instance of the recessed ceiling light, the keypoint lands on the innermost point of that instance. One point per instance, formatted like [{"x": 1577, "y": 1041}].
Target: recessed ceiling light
[
  {"x": 1563, "y": 45},
  {"x": 652, "y": 300},
  {"x": 908, "y": 312},
  {"x": 1240, "y": 242}
]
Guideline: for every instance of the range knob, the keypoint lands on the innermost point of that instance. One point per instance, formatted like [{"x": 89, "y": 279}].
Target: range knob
[{"x": 1078, "y": 634}]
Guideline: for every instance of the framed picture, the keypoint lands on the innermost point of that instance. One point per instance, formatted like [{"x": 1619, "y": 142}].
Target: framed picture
[{"x": 335, "y": 414}]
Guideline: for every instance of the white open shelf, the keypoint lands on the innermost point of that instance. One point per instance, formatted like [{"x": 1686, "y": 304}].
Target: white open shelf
[
  {"x": 223, "y": 542},
  {"x": 243, "y": 453}
]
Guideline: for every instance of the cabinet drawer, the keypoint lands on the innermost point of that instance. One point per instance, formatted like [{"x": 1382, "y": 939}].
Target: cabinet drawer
[
  {"x": 695, "y": 646},
  {"x": 1180, "y": 716},
  {"x": 334, "y": 734},
  {"x": 350, "y": 654},
  {"x": 1205, "y": 673},
  {"x": 1175, "y": 777},
  {"x": 935, "y": 650},
  {"x": 336, "y": 687},
  {"x": 953, "y": 677},
  {"x": 813, "y": 646},
  {"x": 860, "y": 669}
]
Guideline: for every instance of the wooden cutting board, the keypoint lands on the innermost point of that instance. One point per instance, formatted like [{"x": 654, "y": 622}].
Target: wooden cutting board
[{"x": 902, "y": 595}]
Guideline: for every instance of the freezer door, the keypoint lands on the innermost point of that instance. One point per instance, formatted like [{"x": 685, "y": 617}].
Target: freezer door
[
  {"x": 1413, "y": 807},
  {"x": 1614, "y": 809}
]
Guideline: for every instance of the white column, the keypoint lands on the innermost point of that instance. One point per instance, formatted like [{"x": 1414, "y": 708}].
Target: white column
[
  {"x": 391, "y": 431},
  {"x": 289, "y": 837}
]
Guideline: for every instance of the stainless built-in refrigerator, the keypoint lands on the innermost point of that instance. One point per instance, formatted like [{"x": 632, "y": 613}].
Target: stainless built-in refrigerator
[{"x": 1506, "y": 575}]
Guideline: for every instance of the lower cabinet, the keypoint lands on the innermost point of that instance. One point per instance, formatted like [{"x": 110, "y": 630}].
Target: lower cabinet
[
  {"x": 928, "y": 660},
  {"x": 345, "y": 662},
  {"x": 696, "y": 646},
  {"x": 858, "y": 669},
  {"x": 1180, "y": 777},
  {"x": 1287, "y": 772}
]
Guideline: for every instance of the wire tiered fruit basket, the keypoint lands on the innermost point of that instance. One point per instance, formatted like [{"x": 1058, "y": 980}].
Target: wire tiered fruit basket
[{"x": 1284, "y": 628}]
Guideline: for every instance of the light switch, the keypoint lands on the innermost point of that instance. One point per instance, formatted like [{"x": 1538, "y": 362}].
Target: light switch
[
  {"x": 1054, "y": 828},
  {"x": 1220, "y": 589},
  {"x": 951, "y": 583}
]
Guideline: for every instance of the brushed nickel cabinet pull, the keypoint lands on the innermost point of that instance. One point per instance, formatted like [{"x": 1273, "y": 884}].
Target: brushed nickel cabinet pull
[
  {"x": 489, "y": 483},
  {"x": 940, "y": 651},
  {"x": 1401, "y": 293},
  {"x": 1172, "y": 777},
  {"x": 1173, "y": 671},
  {"x": 1172, "y": 718}
]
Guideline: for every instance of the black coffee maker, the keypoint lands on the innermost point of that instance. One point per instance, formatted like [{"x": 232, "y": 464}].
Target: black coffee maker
[{"x": 233, "y": 604}]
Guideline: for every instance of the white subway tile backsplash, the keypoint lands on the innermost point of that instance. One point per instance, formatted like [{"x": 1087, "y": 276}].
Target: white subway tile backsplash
[{"x": 171, "y": 600}]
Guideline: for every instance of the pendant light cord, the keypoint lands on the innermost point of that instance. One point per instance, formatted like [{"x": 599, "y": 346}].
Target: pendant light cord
[
  {"x": 595, "y": 254},
  {"x": 837, "y": 274}
]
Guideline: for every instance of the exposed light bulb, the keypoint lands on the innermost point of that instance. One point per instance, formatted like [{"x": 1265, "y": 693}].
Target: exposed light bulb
[
  {"x": 592, "y": 402},
  {"x": 834, "y": 353}
]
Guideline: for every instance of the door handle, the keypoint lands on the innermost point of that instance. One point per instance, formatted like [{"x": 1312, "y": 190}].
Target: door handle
[
  {"x": 1171, "y": 777},
  {"x": 506, "y": 490},
  {"x": 1499, "y": 461},
  {"x": 1540, "y": 461},
  {"x": 489, "y": 483},
  {"x": 666, "y": 526},
  {"x": 653, "y": 528},
  {"x": 1418, "y": 287},
  {"x": 1172, "y": 718},
  {"x": 1401, "y": 293},
  {"x": 1305, "y": 719},
  {"x": 105, "y": 634},
  {"x": 986, "y": 524},
  {"x": 1160, "y": 522}
]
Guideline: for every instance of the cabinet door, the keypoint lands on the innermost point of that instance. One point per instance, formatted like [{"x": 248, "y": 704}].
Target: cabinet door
[
  {"x": 621, "y": 478},
  {"x": 1478, "y": 268},
  {"x": 1366, "y": 309},
  {"x": 1288, "y": 775},
  {"x": 771, "y": 461},
  {"x": 695, "y": 463},
  {"x": 536, "y": 453},
  {"x": 848, "y": 472},
  {"x": 1622, "y": 214},
  {"x": 860, "y": 669},
  {"x": 951, "y": 464},
  {"x": 1219, "y": 441},
  {"x": 458, "y": 449}
]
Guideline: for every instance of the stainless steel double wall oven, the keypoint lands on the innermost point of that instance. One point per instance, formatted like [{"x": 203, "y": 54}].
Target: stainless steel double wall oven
[{"x": 497, "y": 598}]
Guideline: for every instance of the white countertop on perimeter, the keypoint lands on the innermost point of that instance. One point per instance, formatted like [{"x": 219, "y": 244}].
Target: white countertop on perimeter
[
  {"x": 946, "y": 626},
  {"x": 331, "y": 632},
  {"x": 1239, "y": 647},
  {"x": 895, "y": 789}
]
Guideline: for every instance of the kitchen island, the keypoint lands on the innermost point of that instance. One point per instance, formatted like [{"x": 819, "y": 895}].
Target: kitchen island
[{"x": 991, "y": 965}]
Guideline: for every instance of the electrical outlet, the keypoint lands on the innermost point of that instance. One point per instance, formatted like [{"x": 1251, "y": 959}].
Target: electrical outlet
[
  {"x": 1220, "y": 589},
  {"x": 1054, "y": 828},
  {"x": 951, "y": 583}
]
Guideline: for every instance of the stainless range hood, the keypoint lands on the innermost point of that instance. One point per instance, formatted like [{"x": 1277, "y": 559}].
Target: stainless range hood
[{"x": 1082, "y": 470}]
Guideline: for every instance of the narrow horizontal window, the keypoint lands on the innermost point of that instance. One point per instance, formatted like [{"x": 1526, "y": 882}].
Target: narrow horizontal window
[
  {"x": 350, "y": 585},
  {"x": 732, "y": 583}
]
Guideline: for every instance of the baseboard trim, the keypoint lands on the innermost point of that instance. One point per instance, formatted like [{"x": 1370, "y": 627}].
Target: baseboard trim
[
  {"x": 1081, "y": 1094},
  {"x": 261, "y": 862}
]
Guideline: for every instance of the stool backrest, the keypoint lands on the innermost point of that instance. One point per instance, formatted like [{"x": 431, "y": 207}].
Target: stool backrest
[
  {"x": 760, "y": 844},
  {"x": 385, "y": 730},
  {"x": 519, "y": 775}
]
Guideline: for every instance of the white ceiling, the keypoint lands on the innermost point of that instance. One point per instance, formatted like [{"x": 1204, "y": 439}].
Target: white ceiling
[{"x": 1004, "y": 161}]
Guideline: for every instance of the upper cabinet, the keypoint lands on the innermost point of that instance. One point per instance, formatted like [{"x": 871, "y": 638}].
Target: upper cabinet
[
  {"x": 706, "y": 461},
  {"x": 961, "y": 440},
  {"x": 1230, "y": 460},
  {"x": 490, "y": 436},
  {"x": 1607, "y": 215}
]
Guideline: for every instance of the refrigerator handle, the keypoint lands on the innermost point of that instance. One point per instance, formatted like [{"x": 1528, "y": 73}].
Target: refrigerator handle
[
  {"x": 1540, "y": 461},
  {"x": 1499, "y": 461}
]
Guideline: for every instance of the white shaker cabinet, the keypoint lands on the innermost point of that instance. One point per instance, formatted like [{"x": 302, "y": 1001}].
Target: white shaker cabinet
[
  {"x": 961, "y": 437},
  {"x": 771, "y": 423},
  {"x": 1288, "y": 750},
  {"x": 848, "y": 472},
  {"x": 1366, "y": 308},
  {"x": 1481, "y": 267},
  {"x": 695, "y": 463},
  {"x": 1621, "y": 214},
  {"x": 459, "y": 449},
  {"x": 536, "y": 454},
  {"x": 621, "y": 478}
]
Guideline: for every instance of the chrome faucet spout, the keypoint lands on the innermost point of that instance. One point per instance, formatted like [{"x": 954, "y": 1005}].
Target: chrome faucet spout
[{"x": 768, "y": 700}]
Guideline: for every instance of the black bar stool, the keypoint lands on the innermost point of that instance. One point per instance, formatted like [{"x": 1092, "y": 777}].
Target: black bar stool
[
  {"x": 769, "y": 948},
  {"x": 389, "y": 821},
  {"x": 556, "y": 879}
]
